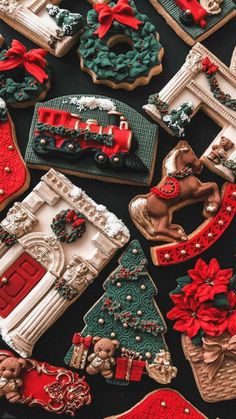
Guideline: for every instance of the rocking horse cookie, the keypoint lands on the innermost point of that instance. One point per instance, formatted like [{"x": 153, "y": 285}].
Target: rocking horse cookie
[
  {"x": 44, "y": 23},
  {"x": 14, "y": 176},
  {"x": 25, "y": 76},
  {"x": 195, "y": 20},
  {"x": 179, "y": 187},
  {"x": 38, "y": 384},
  {"x": 109, "y": 25}
]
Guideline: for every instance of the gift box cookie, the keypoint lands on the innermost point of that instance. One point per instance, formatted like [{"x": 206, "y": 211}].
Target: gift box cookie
[
  {"x": 53, "y": 245},
  {"x": 204, "y": 312}
]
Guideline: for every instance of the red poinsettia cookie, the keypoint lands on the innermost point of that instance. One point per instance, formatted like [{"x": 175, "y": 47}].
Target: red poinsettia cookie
[{"x": 205, "y": 310}]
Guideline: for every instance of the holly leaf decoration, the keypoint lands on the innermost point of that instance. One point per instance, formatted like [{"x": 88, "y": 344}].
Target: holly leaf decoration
[{"x": 182, "y": 281}]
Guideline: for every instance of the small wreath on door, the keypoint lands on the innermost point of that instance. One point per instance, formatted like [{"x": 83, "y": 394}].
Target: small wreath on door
[{"x": 74, "y": 219}]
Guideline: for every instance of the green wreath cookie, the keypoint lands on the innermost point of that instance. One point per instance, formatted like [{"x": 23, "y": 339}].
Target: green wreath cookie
[
  {"x": 24, "y": 75},
  {"x": 75, "y": 219},
  {"x": 109, "y": 25}
]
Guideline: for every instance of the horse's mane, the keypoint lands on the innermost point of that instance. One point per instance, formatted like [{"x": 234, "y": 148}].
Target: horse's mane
[{"x": 170, "y": 161}]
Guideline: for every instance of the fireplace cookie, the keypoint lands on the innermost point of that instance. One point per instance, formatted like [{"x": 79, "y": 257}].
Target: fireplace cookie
[
  {"x": 204, "y": 311},
  {"x": 53, "y": 245},
  {"x": 194, "y": 20},
  {"x": 32, "y": 383},
  {"x": 25, "y": 76},
  {"x": 110, "y": 24},
  {"x": 179, "y": 187},
  {"x": 124, "y": 333}
]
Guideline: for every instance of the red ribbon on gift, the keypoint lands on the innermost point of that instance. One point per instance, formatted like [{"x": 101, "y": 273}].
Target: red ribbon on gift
[
  {"x": 122, "y": 12},
  {"x": 86, "y": 341},
  {"x": 33, "y": 61},
  {"x": 208, "y": 66}
]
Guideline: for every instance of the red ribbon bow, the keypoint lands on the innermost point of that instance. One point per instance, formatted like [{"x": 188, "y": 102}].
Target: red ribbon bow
[
  {"x": 122, "y": 13},
  {"x": 33, "y": 61},
  {"x": 86, "y": 341},
  {"x": 208, "y": 66},
  {"x": 73, "y": 218}
]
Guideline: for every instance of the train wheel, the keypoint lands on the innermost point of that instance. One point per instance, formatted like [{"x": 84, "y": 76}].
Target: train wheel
[
  {"x": 117, "y": 161},
  {"x": 100, "y": 159},
  {"x": 43, "y": 144}
]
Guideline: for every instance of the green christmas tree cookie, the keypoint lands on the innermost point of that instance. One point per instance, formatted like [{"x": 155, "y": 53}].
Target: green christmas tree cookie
[{"x": 126, "y": 324}]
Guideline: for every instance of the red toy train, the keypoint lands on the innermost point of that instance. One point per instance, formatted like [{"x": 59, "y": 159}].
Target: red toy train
[
  {"x": 63, "y": 134},
  {"x": 194, "y": 9}
]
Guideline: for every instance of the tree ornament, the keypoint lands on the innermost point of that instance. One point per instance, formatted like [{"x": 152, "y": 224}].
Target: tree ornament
[{"x": 139, "y": 332}]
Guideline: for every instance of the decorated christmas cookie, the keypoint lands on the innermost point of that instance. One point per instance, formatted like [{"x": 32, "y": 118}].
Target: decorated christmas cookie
[
  {"x": 44, "y": 23},
  {"x": 195, "y": 20},
  {"x": 205, "y": 303},
  {"x": 14, "y": 176},
  {"x": 165, "y": 404},
  {"x": 53, "y": 245},
  {"x": 113, "y": 24},
  {"x": 94, "y": 137},
  {"x": 203, "y": 82},
  {"x": 123, "y": 336},
  {"x": 33, "y": 383},
  {"x": 25, "y": 76},
  {"x": 179, "y": 187}
]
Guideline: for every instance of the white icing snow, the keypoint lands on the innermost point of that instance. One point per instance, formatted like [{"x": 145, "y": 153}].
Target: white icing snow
[{"x": 92, "y": 102}]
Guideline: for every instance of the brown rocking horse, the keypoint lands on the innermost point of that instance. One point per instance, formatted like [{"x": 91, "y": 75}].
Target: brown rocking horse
[{"x": 179, "y": 187}]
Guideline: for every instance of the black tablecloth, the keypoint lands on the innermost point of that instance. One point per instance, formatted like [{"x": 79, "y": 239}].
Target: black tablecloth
[{"x": 68, "y": 79}]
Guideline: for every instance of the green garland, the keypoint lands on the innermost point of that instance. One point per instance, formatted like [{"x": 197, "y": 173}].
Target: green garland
[
  {"x": 65, "y": 290},
  {"x": 126, "y": 67},
  {"x": 218, "y": 94},
  {"x": 73, "y": 218},
  {"x": 7, "y": 238},
  {"x": 106, "y": 139},
  {"x": 26, "y": 90}
]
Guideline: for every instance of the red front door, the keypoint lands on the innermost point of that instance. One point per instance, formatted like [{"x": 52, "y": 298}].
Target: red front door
[{"x": 17, "y": 281}]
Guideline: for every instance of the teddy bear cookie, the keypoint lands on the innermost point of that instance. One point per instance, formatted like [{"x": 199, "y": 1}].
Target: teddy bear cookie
[
  {"x": 165, "y": 404},
  {"x": 124, "y": 333},
  {"x": 14, "y": 176},
  {"x": 179, "y": 187},
  {"x": 204, "y": 312},
  {"x": 195, "y": 20},
  {"x": 53, "y": 245},
  {"x": 113, "y": 24},
  {"x": 44, "y": 22},
  {"x": 95, "y": 137},
  {"x": 33, "y": 383},
  {"x": 25, "y": 76}
]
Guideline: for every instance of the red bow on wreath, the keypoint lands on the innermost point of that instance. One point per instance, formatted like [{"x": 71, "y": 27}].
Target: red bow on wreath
[
  {"x": 208, "y": 66},
  {"x": 86, "y": 341},
  {"x": 73, "y": 219},
  {"x": 33, "y": 61},
  {"x": 122, "y": 13}
]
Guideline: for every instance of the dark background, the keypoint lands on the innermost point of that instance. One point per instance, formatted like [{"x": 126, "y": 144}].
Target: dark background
[{"x": 52, "y": 347}]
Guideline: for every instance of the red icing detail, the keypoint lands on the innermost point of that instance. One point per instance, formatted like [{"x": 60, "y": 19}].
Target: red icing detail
[
  {"x": 58, "y": 117},
  {"x": 53, "y": 388},
  {"x": 169, "y": 190},
  {"x": 122, "y": 369},
  {"x": 11, "y": 182},
  {"x": 203, "y": 238},
  {"x": 198, "y": 12},
  {"x": 151, "y": 407},
  {"x": 208, "y": 66},
  {"x": 86, "y": 341},
  {"x": 122, "y": 12},
  {"x": 21, "y": 277},
  {"x": 33, "y": 61}
]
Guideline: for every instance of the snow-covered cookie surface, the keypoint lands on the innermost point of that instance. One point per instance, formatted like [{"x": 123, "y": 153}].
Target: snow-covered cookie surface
[{"x": 53, "y": 245}]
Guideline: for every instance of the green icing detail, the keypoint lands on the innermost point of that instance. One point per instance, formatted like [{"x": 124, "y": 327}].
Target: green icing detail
[
  {"x": 122, "y": 67},
  {"x": 106, "y": 139},
  {"x": 144, "y": 319},
  {"x": 26, "y": 90},
  {"x": 229, "y": 164}
]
